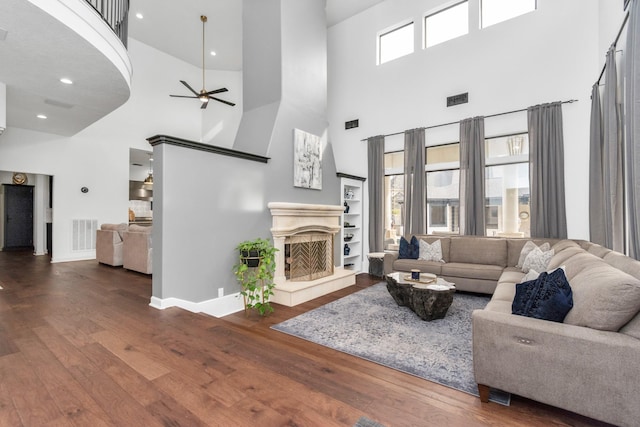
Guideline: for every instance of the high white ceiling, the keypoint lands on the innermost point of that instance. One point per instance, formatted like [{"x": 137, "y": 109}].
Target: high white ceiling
[
  {"x": 39, "y": 50},
  {"x": 175, "y": 27}
]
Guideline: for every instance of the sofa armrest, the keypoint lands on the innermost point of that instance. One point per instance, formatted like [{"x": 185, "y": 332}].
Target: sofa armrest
[
  {"x": 572, "y": 367},
  {"x": 137, "y": 251},
  {"x": 389, "y": 258}
]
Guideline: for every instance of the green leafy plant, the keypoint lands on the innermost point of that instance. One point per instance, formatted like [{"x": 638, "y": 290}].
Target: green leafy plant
[{"x": 255, "y": 271}]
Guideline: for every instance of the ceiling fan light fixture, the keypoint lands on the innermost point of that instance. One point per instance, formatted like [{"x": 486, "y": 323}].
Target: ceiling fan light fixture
[{"x": 204, "y": 96}]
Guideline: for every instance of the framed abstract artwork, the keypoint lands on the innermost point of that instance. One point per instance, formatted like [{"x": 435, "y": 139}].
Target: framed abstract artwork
[{"x": 307, "y": 160}]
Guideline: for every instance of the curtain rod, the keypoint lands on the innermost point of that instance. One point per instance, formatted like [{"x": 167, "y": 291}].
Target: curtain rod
[
  {"x": 615, "y": 42},
  {"x": 458, "y": 121}
]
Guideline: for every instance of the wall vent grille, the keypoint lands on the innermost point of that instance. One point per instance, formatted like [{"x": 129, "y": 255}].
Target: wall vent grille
[{"x": 83, "y": 234}]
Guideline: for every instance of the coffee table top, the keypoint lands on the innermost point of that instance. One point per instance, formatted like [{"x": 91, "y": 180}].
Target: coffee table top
[{"x": 427, "y": 281}]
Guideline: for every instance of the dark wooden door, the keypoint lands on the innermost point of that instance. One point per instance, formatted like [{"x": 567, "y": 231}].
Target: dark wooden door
[{"x": 18, "y": 217}]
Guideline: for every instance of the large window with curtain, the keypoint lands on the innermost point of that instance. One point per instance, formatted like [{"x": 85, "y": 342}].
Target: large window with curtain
[
  {"x": 393, "y": 198},
  {"x": 443, "y": 195},
  {"x": 507, "y": 185}
]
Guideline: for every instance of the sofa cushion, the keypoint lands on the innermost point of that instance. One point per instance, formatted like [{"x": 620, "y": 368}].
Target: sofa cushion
[
  {"x": 505, "y": 291},
  {"x": 430, "y": 251},
  {"x": 478, "y": 250},
  {"x": 549, "y": 297},
  {"x": 559, "y": 258},
  {"x": 511, "y": 275},
  {"x": 537, "y": 260},
  {"x": 632, "y": 328},
  {"x": 434, "y": 267},
  {"x": 120, "y": 228},
  {"x": 527, "y": 248},
  {"x": 624, "y": 263},
  {"x": 564, "y": 244},
  {"x": 604, "y": 297},
  {"x": 472, "y": 271},
  {"x": 140, "y": 228},
  {"x": 409, "y": 249}
]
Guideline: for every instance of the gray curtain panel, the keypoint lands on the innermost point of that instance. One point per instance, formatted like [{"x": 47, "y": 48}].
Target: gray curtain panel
[
  {"x": 612, "y": 158},
  {"x": 546, "y": 171},
  {"x": 632, "y": 125},
  {"x": 472, "y": 195},
  {"x": 414, "y": 182},
  {"x": 596, "y": 189},
  {"x": 375, "y": 146}
]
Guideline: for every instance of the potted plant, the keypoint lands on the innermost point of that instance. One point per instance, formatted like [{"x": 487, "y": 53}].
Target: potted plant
[{"x": 255, "y": 271}]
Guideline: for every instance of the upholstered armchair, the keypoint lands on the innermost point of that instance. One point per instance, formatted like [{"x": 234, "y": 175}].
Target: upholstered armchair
[
  {"x": 109, "y": 244},
  {"x": 137, "y": 249}
]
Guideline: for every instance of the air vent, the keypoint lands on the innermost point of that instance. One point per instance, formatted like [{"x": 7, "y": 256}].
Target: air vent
[
  {"x": 3, "y": 34},
  {"x": 58, "y": 103},
  {"x": 351, "y": 124},
  {"x": 462, "y": 98},
  {"x": 83, "y": 234}
]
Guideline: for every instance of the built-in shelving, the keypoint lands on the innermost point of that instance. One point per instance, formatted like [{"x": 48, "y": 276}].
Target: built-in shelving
[{"x": 351, "y": 233}]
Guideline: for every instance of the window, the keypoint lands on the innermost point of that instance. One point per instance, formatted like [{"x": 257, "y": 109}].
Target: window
[
  {"x": 443, "y": 194},
  {"x": 495, "y": 11},
  {"x": 395, "y": 43},
  {"x": 393, "y": 199},
  {"x": 446, "y": 24},
  {"x": 507, "y": 185}
]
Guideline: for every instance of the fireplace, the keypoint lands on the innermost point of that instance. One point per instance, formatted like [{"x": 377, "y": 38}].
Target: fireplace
[
  {"x": 304, "y": 236},
  {"x": 308, "y": 256}
]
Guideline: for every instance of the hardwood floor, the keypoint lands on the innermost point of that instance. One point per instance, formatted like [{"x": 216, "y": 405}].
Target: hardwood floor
[{"x": 80, "y": 346}]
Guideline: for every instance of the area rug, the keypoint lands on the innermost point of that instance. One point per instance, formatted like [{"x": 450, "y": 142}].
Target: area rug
[{"x": 369, "y": 324}]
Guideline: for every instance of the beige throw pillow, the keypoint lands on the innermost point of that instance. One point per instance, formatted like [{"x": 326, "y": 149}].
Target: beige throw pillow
[
  {"x": 537, "y": 260},
  {"x": 528, "y": 247},
  {"x": 430, "y": 252}
]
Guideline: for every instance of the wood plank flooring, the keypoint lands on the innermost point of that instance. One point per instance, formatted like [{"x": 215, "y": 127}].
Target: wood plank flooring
[{"x": 80, "y": 346}]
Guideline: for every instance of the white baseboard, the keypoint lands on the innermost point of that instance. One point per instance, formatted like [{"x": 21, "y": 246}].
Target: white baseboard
[
  {"x": 217, "y": 307},
  {"x": 78, "y": 258}
]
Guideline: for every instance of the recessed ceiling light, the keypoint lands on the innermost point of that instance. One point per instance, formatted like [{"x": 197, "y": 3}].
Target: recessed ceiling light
[
  {"x": 213, "y": 53},
  {"x": 139, "y": 15},
  {"x": 66, "y": 81},
  {"x": 41, "y": 116}
]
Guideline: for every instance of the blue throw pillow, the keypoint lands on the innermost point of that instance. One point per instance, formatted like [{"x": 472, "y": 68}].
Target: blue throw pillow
[
  {"x": 409, "y": 250},
  {"x": 549, "y": 297}
]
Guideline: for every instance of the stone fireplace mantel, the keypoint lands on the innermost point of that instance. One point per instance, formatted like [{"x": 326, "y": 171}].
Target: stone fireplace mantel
[
  {"x": 294, "y": 218},
  {"x": 290, "y": 219}
]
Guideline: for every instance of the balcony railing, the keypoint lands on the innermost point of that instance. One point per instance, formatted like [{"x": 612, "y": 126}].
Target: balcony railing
[{"x": 116, "y": 14}]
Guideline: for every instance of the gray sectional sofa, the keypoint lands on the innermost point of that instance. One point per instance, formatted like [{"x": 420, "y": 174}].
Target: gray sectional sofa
[{"x": 589, "y": 363}]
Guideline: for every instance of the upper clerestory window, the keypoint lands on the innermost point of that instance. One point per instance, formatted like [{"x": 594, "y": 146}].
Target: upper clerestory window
[
  {"x": 495, "y": 11},
  {"x": 446, "y": 24},
  {"x": 395, "y": 43}
]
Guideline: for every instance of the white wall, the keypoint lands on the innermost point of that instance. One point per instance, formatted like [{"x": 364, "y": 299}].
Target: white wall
[
  {"x": 98, "y": 157},
  {"x": 544, "y": 56}
]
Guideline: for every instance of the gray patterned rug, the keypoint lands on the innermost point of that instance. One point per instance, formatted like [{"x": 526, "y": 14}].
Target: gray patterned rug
[{"x": 369, "y": 324}]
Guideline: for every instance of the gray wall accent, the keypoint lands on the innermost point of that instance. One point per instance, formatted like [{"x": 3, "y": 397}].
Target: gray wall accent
[{"x": 208, "y": 203}]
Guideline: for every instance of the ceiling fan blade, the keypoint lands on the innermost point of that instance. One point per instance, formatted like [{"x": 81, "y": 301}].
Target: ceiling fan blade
[
  {"x": 204, "y": 104},
  {"x": 224, "y": 89},
  {"x": 222, "y": 100},
  {"x": 189, "y": 87},
  {"x": 182, "y": 96}
]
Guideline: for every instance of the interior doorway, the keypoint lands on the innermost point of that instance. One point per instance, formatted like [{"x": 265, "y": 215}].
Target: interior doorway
[{"x": 18, "y": 217}]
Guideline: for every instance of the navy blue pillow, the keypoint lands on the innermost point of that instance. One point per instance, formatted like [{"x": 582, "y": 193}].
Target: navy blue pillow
[
  {"x": 409, "y": 250},
  {"x": 549, "y": 297}
]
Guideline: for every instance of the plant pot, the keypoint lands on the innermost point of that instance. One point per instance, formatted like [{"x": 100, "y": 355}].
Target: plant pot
[{"x": 250, "y": 258}]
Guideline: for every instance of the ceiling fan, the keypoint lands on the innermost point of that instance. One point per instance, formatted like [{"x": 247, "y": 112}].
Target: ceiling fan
[{"x": 204, "y": 96}]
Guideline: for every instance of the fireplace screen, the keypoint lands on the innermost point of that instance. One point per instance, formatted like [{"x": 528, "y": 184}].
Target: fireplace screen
[{"x": 308, "y": 256}]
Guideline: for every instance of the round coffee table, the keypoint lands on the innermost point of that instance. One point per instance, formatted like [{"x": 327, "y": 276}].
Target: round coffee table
[{"x": 429, "y": 297}]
